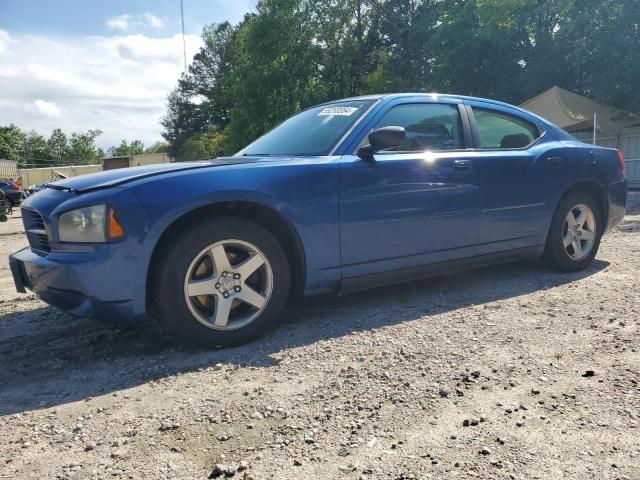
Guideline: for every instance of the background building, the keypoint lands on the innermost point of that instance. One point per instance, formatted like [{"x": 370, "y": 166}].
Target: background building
[
  {"x": 8, "y": 169},
  {"x": 126, "y": 161}
]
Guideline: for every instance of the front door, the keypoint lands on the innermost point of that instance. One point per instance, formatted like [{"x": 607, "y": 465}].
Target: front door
[{"x": 416, "y": 204}]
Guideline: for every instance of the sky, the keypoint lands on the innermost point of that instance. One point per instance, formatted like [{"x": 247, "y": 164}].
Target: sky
[{"x": 108, "y": 65}]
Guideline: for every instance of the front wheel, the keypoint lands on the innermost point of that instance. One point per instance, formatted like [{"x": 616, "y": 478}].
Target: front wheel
[
  {"x": 221, "y": 283},
  {"x": 574, "y": 237}
]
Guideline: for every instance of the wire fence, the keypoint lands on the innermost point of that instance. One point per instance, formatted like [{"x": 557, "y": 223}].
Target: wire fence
[{"x": 628, "y": 141}]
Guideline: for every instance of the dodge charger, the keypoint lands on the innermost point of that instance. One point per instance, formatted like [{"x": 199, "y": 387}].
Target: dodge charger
[{"x": 343, "y": 196}]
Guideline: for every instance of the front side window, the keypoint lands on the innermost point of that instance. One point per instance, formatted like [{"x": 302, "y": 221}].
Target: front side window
[
  {"x": 429, "y": 126},
  {"x": 499, "y": 130},
  {"x": 313, "y": 132}
]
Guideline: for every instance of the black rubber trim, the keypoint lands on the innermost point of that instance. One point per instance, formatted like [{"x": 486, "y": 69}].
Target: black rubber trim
[
  {"x": 355, "y": 284},
  {"x": 16, "y": 271}
]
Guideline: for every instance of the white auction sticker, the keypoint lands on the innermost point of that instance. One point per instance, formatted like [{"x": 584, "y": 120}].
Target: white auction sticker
[{"x": 344, "y": 111}]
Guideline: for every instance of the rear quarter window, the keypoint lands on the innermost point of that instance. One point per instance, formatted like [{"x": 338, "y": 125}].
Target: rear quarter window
[{"x": 502, "y": 131}]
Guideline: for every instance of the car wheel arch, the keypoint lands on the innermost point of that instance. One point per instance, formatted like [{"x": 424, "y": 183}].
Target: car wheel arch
[
  {"x": 592, "y": 188},
  {"x": 264, "y": 216}
]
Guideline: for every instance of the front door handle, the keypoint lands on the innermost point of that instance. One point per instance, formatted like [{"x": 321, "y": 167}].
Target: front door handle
[{"x": 462, "y": 165}]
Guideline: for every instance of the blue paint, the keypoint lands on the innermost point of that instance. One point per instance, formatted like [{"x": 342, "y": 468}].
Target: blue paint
[{"x": 353, "y": 216}]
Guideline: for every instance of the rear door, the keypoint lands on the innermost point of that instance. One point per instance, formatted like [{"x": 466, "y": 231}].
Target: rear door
[{"x": 520, "y": 172}]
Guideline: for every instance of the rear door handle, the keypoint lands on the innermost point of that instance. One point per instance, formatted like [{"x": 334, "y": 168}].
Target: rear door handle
[
  {"x": 554, "y": 162},
  {"x": 462, "y": 165}
]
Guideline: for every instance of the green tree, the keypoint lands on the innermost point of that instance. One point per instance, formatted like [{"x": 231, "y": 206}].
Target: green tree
[
  {"x": 82, "y": 148},
  {"x": 295, "y": 53},
  {"x": 34, "y": 150},
  {"x": 11, "y": 138},
  {"x": 136, "y": 147},
  {"x": 203, "y": 146},
  {"x": 158, "y": 147},
  {"x": 276, "y": 79},
  {"x": 599, "y": 43},
  {"x": 58, "y": 145},
  {"x": 202, "y": 100},
  {"x": 404, "y": 46}
]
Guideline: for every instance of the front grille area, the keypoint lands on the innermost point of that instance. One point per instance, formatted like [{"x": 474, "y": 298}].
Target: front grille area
[{"x": 36, "y": 232}]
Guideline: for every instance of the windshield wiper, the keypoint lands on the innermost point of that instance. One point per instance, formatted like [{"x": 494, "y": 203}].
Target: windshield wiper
[{"x": 256, "y": 154}]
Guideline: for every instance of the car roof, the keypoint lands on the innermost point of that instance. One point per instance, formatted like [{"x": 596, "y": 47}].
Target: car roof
[
  {"x": 423, "y": 94},
  {"x": 435, "y": 95}
]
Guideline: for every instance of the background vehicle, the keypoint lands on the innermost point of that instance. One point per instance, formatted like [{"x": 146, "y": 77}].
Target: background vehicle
[
  {"x": 12, "y": 192},
  {"x": 31, "y": 189},
  {"x": 5, "y": 207},
  {"x": 343, "y": 196}
]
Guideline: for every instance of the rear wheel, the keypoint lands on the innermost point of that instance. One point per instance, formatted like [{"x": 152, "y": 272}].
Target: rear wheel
[
  {"x": 574, "y": 237},
  {"x": 221, "y": 283}
]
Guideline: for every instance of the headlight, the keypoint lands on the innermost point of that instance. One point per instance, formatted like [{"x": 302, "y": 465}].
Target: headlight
[{"x": 96, "y": 224}]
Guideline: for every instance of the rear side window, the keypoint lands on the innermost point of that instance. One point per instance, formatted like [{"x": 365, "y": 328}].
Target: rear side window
[
  {"x": 499, "y": 130},
  {"x": 429, "y": 126}
]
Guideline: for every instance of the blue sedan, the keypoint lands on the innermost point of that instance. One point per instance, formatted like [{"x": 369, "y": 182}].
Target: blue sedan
[{"x": 343, "y": 196}]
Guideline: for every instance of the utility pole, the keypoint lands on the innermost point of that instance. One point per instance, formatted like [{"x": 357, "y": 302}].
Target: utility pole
[{"x": 184, "y": 43}]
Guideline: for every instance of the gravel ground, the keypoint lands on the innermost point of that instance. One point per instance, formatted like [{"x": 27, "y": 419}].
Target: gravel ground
[{"x": 505, "y": 372}]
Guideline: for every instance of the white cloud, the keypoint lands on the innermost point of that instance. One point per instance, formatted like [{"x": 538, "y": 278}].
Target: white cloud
[
  {"x": 118, "y": 84},
  {"x": 121, "y": 22},
  {"x": 140, "y": 48},
  {"x": 42, "y": 108},
  {"x": 129, "y": 23},
  {"x": 5, "y": 40},
  {"x": 155, "y": 22}
]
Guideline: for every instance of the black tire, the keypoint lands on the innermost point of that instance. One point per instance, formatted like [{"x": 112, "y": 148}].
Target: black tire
[
  {"x": 556, "y": 254},
  {"x": 168, "y": 296}
]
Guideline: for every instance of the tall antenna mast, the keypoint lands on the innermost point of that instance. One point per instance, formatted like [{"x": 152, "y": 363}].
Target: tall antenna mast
[{"x": 184, "y": 43}]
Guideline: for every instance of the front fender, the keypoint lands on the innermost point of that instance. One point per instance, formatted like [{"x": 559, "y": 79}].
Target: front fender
[{"x": 305, "y": 195}]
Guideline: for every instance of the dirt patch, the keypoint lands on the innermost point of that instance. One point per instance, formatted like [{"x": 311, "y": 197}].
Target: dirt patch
[{"x": 506, "y": 372}]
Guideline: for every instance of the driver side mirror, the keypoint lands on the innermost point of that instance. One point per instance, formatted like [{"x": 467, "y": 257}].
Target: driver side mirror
[{"x": 383, "y": 138}]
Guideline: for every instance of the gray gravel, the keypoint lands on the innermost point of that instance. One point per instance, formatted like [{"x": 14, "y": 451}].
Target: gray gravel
[{"x": 506, "y": 372}]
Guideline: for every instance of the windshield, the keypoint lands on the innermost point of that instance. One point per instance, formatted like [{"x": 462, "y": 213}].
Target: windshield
[{"x": 312, "y": 132}]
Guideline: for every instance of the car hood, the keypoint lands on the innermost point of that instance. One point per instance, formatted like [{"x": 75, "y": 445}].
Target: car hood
[{"x": 112, "y": 178}]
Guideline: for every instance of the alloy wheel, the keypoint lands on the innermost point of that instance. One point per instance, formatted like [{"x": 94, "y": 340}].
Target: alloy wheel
[
  {"x": 228, "y": 284},
  {"x": 579, "y": 232}
]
